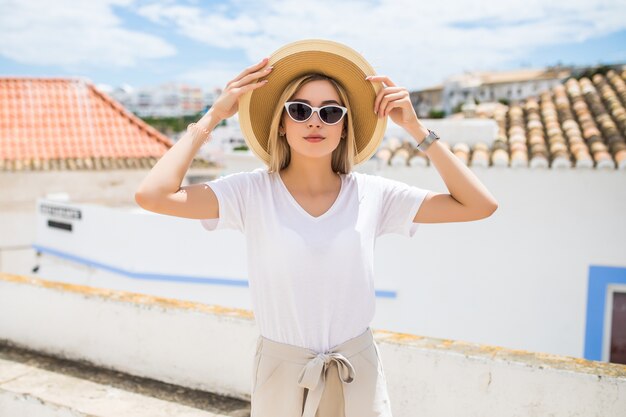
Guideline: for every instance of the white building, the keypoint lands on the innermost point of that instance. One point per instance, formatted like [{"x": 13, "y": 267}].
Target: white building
[{"x": 166, "y": 100}]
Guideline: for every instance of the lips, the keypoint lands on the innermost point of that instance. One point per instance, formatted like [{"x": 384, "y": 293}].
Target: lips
[{"x": 316, "y": 137}]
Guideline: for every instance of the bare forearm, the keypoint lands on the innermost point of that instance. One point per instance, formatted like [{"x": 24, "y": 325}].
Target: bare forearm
[
  {"x": 462, "y": 183},
  {"x": 167, "y": 175}
]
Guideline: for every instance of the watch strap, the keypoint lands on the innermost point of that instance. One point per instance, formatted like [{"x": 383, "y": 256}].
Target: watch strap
[{"x": 430, "y": 138}]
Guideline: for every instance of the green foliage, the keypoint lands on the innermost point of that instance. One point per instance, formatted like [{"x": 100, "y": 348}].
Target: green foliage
[
  {"x": 436, "y": 114},
  {"x": 169, "y": 125}
]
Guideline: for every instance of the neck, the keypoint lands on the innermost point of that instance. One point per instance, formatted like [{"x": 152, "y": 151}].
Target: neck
[{"x": 310, "y": 174}]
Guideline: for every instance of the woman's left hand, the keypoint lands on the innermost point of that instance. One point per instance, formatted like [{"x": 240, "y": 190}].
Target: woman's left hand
[{"x": 394, "y": 101}]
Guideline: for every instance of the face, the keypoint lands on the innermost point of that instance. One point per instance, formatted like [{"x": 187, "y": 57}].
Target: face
[{"x": 314, "y": 93}]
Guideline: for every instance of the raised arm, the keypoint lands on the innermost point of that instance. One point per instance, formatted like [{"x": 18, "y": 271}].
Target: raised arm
[{"x": 161, "y": 190}]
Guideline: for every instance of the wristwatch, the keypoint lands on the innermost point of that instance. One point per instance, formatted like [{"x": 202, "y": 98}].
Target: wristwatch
[{"x": 425, "y": 144}]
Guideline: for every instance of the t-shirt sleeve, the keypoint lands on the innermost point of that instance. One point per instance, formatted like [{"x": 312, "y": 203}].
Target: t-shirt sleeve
[
  {"x": 233, "y": 194},
  {"x": 398, "y": 206}
]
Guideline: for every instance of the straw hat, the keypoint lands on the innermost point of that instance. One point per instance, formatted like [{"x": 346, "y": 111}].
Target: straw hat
[{"x": 340, "y": 62}]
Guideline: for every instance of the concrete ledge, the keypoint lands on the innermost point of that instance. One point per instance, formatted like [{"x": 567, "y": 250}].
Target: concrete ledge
[
  {"x": 526, "y": 358},
  {"x": 211, "y": 348},
  {"x": 174, "y": 341}
]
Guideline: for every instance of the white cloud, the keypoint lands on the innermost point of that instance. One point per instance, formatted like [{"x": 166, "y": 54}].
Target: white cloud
[
  {"x": 74, "y": 35},
  {"x": 415, "y": 43}
]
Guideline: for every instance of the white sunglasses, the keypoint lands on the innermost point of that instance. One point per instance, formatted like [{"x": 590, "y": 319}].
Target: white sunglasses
[{"x": 301, "y": 112}]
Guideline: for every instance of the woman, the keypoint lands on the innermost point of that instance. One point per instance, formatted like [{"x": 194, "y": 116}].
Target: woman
[{"x": 311, "y": 221}]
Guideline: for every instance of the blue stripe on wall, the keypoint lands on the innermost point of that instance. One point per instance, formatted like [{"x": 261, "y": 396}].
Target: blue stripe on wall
[
  {"x": 165, "y": 277},
  {"x": 599, "y": 279}
]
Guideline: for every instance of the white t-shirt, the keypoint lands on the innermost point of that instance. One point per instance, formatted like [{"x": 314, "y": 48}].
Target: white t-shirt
[{"x": 312, "y": 278}]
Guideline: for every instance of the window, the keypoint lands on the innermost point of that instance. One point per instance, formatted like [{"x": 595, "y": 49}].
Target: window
[{"x": 617, "y": 341}]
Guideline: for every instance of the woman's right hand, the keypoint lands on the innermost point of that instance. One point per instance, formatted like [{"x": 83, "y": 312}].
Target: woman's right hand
[{"x": 227, "y": 103}]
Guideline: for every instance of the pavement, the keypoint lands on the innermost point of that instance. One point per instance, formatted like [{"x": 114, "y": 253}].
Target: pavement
[{"x": 35, "y": 384}]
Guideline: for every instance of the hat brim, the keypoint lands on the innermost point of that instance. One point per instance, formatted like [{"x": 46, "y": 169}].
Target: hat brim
[{"x": 338, "y": 61}]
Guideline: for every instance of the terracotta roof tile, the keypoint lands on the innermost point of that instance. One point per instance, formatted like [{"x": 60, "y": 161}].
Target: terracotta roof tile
[
  {"x": 577, "y": 124},
  {"x": 67, "y": 123}
]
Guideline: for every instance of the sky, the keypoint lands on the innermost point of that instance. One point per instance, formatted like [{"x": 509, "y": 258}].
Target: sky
[{"x": 416, "y": 44}]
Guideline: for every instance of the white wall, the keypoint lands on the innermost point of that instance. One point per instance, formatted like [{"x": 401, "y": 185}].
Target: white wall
[{"x": 517, "y": 279}]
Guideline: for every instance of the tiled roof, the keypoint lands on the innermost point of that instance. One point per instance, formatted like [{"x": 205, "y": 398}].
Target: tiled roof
[
  {"x": 67, "y": 124},
  {"x": 577, "y": 124}
]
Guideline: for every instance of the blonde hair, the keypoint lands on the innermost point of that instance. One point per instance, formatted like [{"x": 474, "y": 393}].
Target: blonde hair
[{"x": 278, "y": 147}]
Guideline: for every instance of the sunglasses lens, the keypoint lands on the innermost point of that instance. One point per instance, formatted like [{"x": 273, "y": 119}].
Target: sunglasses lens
[
  {"x": 302, "y": 111},
  {"x": 331, "y": 114},
  {"x": 299, "y": 111}
]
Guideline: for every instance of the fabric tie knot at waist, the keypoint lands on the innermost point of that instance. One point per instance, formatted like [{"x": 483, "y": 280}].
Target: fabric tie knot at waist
[{"x": 315, "y": 370}]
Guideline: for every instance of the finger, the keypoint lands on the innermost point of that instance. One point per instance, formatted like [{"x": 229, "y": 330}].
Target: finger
[
  {"x": 381, "y": 95},
  {"x": 382, "y": 79},
  {"x": 252, "y": 86},
  {"x": 250, "y": 69},
  {"x": 390, "y": 103},
  {"x": 396, "y": 101},
  {"x": 248, "y": 78}
]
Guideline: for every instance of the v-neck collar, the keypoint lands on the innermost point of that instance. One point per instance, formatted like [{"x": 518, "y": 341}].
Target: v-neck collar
[{"x": 327, "y": 213}]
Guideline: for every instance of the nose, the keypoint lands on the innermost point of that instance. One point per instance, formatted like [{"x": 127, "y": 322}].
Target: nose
[{"x": 314, "y": 119}]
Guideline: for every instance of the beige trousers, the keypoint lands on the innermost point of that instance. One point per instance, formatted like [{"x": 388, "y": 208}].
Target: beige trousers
[{"x": 346, "y": 381}]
